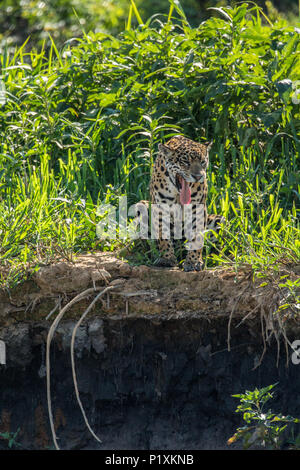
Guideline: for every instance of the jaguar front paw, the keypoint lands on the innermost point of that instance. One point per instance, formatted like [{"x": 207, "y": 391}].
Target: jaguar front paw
[
  {"x": 166, "y": 262},
  {"x": 189, "y": 266}
]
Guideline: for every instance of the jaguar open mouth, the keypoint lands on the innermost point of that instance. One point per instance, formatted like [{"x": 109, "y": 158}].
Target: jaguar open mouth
[{"x": 184, "y": 190}]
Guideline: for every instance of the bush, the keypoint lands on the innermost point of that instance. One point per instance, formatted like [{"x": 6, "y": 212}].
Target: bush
[
  {"x": 81, "y": 125},
  {"x": 64, "y": 19},
  {"x": 263, "y": 428}
]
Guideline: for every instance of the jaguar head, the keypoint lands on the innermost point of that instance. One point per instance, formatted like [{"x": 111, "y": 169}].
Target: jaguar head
[{"x": 187, "y": 164}]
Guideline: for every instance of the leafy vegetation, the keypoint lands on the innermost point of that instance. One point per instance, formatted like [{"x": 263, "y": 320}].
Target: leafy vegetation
[
  {"x": 65, "y": 19},
  {"x": 262, "y": 428},
  {"x": 80, "y": 126},
  {"x": 10, "y": 438}
]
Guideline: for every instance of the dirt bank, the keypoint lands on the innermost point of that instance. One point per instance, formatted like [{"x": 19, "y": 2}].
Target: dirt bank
[{"x": 157, "y": 358}]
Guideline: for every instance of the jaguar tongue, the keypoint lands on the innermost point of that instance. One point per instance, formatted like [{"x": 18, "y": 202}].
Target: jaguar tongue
[{"x": 185, "y": 192}]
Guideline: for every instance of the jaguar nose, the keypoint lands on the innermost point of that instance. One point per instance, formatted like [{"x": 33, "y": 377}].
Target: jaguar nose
[{"x": 197, "y": 177}]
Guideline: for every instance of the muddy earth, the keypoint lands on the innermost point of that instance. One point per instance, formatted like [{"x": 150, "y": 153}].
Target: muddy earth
[{"x": 157, "y": 358}]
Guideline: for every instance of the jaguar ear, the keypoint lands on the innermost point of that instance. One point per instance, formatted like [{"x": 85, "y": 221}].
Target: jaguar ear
[
  {"x": 166, "y": 151},
  {"x": 206, "y": 158},
  {"x": 208, "y": 147}
]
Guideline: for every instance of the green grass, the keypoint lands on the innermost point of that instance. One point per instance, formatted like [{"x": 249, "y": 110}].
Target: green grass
[
  {"x": 81, "y": 126},
  {"x": 65, "y": 19}
]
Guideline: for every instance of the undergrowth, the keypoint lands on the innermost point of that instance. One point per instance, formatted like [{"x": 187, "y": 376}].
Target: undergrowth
[
  {"x": 264, "y": 428},
  {"x": 80, "y": 126}
]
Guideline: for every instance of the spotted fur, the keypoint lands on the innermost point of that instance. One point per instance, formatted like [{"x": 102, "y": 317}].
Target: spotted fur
[{"x": 179, "y": 177}]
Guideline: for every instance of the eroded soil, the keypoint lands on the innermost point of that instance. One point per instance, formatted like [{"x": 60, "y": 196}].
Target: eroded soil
[
  {"x": 158, "y": 357},
  {"x": 144, "y": 290}
]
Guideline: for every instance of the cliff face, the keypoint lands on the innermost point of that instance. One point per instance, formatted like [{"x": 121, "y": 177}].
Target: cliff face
[{"x": 157, "y": 360}]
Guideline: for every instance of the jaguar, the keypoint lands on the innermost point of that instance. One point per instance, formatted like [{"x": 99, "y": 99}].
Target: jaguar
[{"x": 178, "y": 185}]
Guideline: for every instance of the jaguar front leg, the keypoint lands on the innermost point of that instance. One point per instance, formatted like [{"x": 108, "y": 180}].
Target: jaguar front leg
[
  {"x": 162, "y": 228},
  {"x": 193, "y": 261},
  {"x": 167, "y": 258}
]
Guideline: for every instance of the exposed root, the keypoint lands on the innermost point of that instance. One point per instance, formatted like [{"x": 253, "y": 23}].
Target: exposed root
[
  {"x": 232, "y": 312},
  {"x": 51, "y": 332},
  {"x": 106, "y": 289},
  {"x": 286, "y": 340},
  {"x": 272, "y": 323},
  {"x": 263, "y": 334},
  {"x": 58, "y": 304},
  {"x": 254, "y": 310},
  {"x": 273, "y": 326}
]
